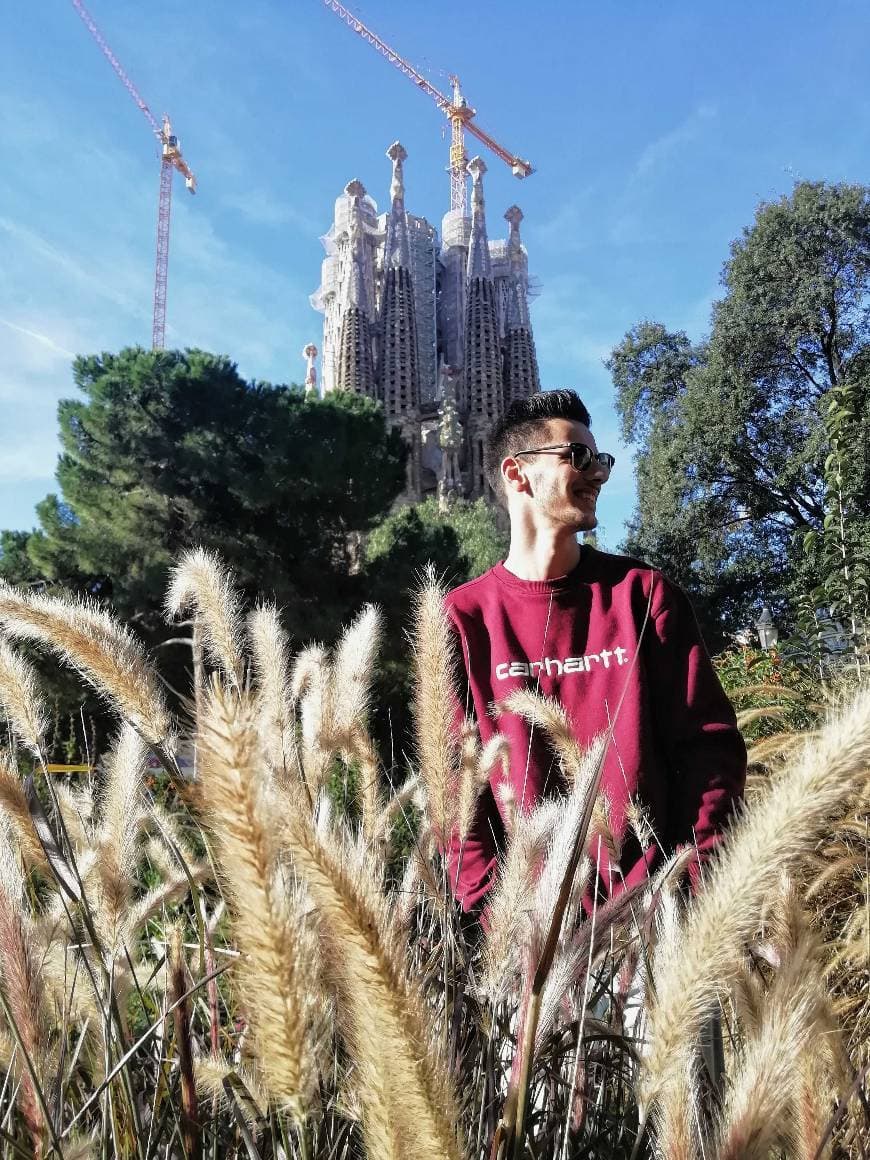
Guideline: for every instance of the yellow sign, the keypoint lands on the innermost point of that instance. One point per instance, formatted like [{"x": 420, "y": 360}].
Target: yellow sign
[{"x": 52, "y": 768}]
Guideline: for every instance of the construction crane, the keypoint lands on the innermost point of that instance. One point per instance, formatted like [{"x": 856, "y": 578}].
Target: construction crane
[
  {"x": 458, "y": 112},
  {"x": 170, "y": 158}
]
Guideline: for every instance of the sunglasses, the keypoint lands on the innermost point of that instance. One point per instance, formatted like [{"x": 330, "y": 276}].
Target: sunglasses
[{"x": 580, "y": 456}]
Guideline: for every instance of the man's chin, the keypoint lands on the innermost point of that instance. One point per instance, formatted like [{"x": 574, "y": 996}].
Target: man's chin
[{"x": 581, "y": 521}]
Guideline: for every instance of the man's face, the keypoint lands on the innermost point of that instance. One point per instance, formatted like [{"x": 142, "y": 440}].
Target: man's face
[{"x": 559, "y": 494}]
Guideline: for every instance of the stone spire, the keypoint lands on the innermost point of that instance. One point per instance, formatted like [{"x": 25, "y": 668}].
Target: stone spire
[
  {"x": 355, "y": 363},
  {"x": 521, "y": 377},
  {"x": 479, "y": 265},
  {"x": 484, "y": 394},
  {"x": 398, "y": 250},
  {"x": 398, "y": 356}
]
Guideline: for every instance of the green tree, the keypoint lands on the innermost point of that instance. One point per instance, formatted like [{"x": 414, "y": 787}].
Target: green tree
[
  {"x": 461, "y": 542},
  {"x": 733, "y": 434},
  {"x": 171, "y": 449}
]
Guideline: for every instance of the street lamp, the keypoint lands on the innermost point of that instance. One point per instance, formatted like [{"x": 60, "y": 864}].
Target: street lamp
[{"x": 768, "y": 633}]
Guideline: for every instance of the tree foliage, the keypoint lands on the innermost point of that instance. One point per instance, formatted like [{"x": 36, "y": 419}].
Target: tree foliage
[
  {"x": 461, "y": 543},
  {"x": 173, "y": 449},
  {"x": 734, "y": 434}
]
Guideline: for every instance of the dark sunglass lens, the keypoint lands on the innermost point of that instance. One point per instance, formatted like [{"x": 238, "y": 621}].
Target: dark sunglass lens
[
  {"x": 606, "y": 460},
  {"x": 581, "y": 456}
]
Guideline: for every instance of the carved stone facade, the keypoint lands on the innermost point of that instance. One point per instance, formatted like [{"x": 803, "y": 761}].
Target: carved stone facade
[{"x": 439, "y": 333}]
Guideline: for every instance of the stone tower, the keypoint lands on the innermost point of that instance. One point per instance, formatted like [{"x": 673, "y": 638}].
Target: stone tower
[
  {"x": 483, "y": 388},
  {"x": 439, "y": 332},
  {"x": 520, "y": 360},
  {"x": 398, "y": 357},
  {"x": 356, "y": 371}
]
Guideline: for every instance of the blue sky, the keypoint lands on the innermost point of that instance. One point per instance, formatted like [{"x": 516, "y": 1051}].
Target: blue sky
[{"x": 655, "y": 128}]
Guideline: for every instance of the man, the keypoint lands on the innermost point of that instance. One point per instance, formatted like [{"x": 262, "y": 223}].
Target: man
[{"x": 610, "y": 638}]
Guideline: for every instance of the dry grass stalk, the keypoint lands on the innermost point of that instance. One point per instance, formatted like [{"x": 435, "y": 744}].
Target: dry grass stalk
[
  {"x": 200, "y": 583},
  {"x": 398, "y": 805},
  {"x": 435, "y": 702},
  {"x": 353, "y": 668},
  {"x": 21, "y": 700},
  {"x": 360, "y": 748},
  {"x": 191, "y": 1132},
  {"x": 547, "y": 714},
  {"x": 476, "y": 768},
  {"x": 103, "y": 652},
  {"x": 409, "y": 1106},
  {"x": 270, "y": 655},
  {"x": 777, "y": 746},
  {"x": 774, "y": 837},
  {"x": 22, "y": 995},
  {"x": 245, "y": 818},
  {"x": 512, "y": 900},
  {"x": 313, "y": 687},
  {"x": 13, "y": 802},
  {"x": 214, "y": 1074},
  {"x": 760, "y": 713},
  {"x": 116, "y": 839},
  {"x": 767, "y": 1098}
]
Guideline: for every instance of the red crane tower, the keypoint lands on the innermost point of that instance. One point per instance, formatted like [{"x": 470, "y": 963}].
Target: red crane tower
[
  {"x": 458, "y": 111},
  {"x": 170, "y": 158}
]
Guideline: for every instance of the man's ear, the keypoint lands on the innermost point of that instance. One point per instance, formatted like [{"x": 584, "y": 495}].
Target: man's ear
[{"x": 513, "y": 474}]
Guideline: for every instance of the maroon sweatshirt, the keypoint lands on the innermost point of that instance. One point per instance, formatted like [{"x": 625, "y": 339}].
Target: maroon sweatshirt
[{"x": 675, "y": 748}]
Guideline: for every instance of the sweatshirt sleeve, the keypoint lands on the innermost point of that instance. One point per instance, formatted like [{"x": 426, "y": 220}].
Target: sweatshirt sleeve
[
  {"x": 473, "y": 862},
  {"x": 707, "y": 755}
]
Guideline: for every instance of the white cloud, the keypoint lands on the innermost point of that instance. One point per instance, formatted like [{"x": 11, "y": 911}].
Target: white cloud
[
  {"x": 43, "y": 339},
  {"x": 663, "y": 148}
]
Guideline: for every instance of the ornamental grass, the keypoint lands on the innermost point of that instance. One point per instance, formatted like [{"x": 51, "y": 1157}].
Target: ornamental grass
[{"x": 234, "y": 960}]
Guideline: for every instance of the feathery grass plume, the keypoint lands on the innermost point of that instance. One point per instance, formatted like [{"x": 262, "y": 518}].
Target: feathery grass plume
[
  {"x": 13, "y": 802},
  {"x": 200, "y": 583},
  {"x": 409, "y": 1106},
  {"x": 508, "y": 806},
  {"x": 639, "y": 822},
  {"x": 270, "y": 655},
  {"x": 353, "y": 668},
  {"x": 21, "y": 700},
  {"x": 360, "y": 748},
  {"x": 103, "y": 652},
  {"x": 779, "y": 745},
  {"x": 760, "y": 713},
  {"x": 397, "y": 806},
  {"x": 278, "y": 984},
  {"x": 116, "y": 838},
  {"x": 772, "y": 838},
  {"x": 562, "y": 843},
  {"x": 762, "y": 1109},
  {"x": 435, "y": 702},
  {"x": 313, "y": 687},
  {"x": 214, "y": 1075},
  {"x": 512, "y": 898},
  {"x": 601, "y": 826},
  {"x": 22, "y": 996},
  {"x": 546, "y": 713},
  {"x": 470, "y": 783},
  {"x": 678, "y": 1119}
]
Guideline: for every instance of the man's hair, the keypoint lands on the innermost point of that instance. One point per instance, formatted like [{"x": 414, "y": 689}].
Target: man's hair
[{"x": 523, "y": 423}]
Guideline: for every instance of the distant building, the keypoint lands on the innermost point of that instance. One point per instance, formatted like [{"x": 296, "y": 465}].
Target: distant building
[{"x": 439, "y": 333}]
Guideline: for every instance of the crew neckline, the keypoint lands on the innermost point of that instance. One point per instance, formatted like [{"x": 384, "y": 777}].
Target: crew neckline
[{"x": 541, "y": 587}]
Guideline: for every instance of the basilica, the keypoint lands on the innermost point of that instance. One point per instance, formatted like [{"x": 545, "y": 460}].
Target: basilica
[{"x": 437, "y": 329}]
